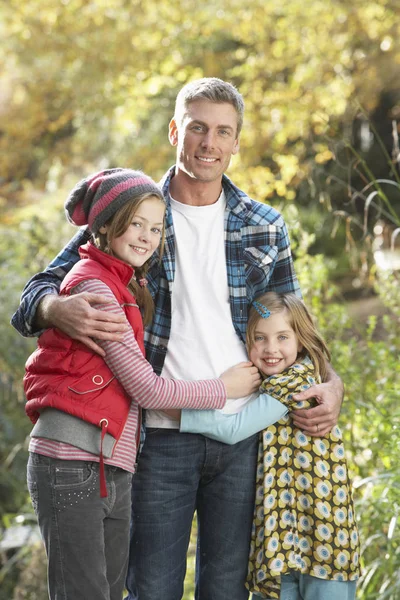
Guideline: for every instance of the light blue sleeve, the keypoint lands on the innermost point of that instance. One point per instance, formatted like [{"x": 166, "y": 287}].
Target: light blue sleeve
[{"x": 230, "y": 429}]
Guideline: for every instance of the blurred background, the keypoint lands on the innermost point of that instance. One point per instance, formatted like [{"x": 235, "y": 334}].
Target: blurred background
[{"x": 86, "y": 85}]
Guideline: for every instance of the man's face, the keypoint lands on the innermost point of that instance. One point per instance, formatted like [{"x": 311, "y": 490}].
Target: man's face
[{"x": 205, "y": 139}]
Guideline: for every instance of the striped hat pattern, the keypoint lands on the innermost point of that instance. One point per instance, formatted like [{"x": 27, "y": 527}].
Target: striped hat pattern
[{"x": 94, "y": 200}]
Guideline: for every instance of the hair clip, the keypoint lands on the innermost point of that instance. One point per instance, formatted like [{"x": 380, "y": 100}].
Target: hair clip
[
  {"x": 143, "y": 282},
  {"x": 261, "y": 309}
]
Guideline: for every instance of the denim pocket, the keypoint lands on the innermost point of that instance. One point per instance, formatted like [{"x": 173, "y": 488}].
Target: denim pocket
[
  {"x": 73, "y": 476},
  {"x": 75, "y": 486}
]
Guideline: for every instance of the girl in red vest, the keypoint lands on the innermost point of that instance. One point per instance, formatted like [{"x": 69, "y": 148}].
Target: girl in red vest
[{"x": 86, "y": 408}]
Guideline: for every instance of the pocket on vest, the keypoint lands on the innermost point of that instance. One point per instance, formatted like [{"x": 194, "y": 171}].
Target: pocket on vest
[{"x": 90, "y": 383}]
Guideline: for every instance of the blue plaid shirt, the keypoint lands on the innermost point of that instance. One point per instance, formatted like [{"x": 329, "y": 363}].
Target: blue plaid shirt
[{"x": 258, "y": 259}]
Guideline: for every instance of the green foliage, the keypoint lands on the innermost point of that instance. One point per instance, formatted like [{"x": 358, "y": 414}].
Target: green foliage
[
  {"x": 32, "y": 583},
  {"x": 367, "y": 359},
  {"x": 94, "y": 86},
  {"x": 12, "y": 453},
  {"x": 373, "y": 429},
  {"x": 24, "y": 249},
  {"x": 96, "y": 82}
]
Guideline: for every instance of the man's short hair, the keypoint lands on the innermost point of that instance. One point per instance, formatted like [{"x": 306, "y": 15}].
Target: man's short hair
[{"x": 212, "y": 89}]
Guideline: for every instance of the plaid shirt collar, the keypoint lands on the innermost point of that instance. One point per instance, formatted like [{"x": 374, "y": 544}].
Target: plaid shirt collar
[
  {"x": 238, "y": 205},
  {"x": 236, "y": 201}
]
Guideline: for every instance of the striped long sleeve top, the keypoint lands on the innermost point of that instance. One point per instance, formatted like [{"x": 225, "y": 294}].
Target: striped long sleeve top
[{"x": 146, "y": 389}]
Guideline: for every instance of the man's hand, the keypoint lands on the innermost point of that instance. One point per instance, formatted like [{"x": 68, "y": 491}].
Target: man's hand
[
  {"x": 318, "y": 421},
  {"x": 75, "y": 316}
]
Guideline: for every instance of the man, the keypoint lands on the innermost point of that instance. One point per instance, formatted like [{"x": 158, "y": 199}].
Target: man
[{"x": 222, "y": 250}]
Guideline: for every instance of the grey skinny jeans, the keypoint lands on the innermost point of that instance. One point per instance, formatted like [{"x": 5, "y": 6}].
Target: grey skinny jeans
[{"x": 86, "y": 536}]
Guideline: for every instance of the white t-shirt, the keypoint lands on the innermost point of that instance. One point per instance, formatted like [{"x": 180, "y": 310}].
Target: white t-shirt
[{"x": 203, "y": 342}]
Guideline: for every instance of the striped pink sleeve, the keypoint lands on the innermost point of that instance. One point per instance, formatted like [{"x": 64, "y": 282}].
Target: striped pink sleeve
[{"x": 137, "y": 376}]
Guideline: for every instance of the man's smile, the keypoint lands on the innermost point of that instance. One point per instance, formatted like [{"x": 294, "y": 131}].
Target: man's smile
[{"x": 205, "y": 159}]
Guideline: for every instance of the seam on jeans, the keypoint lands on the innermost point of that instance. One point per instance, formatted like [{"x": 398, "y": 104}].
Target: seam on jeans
[
  {"x": 34, "y": 494},
  {"x": 36, "y": 461},
  {"x": 55, "y": 516},
  {"x": 110, "y": 501}
]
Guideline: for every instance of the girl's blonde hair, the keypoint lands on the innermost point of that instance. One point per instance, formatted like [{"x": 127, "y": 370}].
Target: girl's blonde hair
[
  {"x": 302, "y": 324},
  {"x": 116, "y": 227}
]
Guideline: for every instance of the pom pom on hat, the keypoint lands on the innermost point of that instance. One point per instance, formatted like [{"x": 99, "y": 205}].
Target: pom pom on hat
[{"x": 94, "y": 200}]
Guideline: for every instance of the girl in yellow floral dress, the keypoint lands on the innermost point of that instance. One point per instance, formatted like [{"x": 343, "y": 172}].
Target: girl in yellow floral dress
[{"x": 304, "y": 541}]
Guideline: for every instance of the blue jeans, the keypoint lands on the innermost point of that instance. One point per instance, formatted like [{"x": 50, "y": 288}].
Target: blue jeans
[
  {"x": 177, "y": 474},
  {"x": 86, "y": 536},
  {"x": 297, "y": 586}
]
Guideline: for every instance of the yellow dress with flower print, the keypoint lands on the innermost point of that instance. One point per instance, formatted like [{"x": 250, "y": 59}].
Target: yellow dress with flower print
[{"x": 304, "y": 516}]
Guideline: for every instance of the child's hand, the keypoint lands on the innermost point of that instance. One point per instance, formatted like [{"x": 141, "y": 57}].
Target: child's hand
[{"x": 241, "y": 380}]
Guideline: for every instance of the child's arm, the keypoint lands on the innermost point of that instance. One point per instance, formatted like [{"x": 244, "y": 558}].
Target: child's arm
[{"x": 230, "y": 429}]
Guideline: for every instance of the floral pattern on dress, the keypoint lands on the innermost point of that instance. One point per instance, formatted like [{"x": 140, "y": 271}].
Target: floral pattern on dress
[{"x": 304, "y": 516}]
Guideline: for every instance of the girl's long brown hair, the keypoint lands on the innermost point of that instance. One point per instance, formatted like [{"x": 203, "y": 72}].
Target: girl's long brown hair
[
  {"x": 116, "y": 227},
  {"x": 302, "y": 324}
]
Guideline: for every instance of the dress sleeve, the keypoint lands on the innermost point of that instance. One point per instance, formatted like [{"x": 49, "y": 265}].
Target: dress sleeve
[
  {"x": 136, "y": 375},
  {"x": 232, "y": 428},
  {"x": 44, "y": 283}
]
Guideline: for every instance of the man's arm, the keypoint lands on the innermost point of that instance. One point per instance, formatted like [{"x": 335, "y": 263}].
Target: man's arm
[
  {"x": 46, "y": 283},
  {"x": 319, "y": 420},
  {"x": 42, "y": 307}
]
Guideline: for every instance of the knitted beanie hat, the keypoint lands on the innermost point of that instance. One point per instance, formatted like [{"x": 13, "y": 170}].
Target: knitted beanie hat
[{"x": 94, "y": 200}]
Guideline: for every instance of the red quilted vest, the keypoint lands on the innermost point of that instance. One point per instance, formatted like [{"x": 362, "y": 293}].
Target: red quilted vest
[{"x": 66, "y": 375}]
